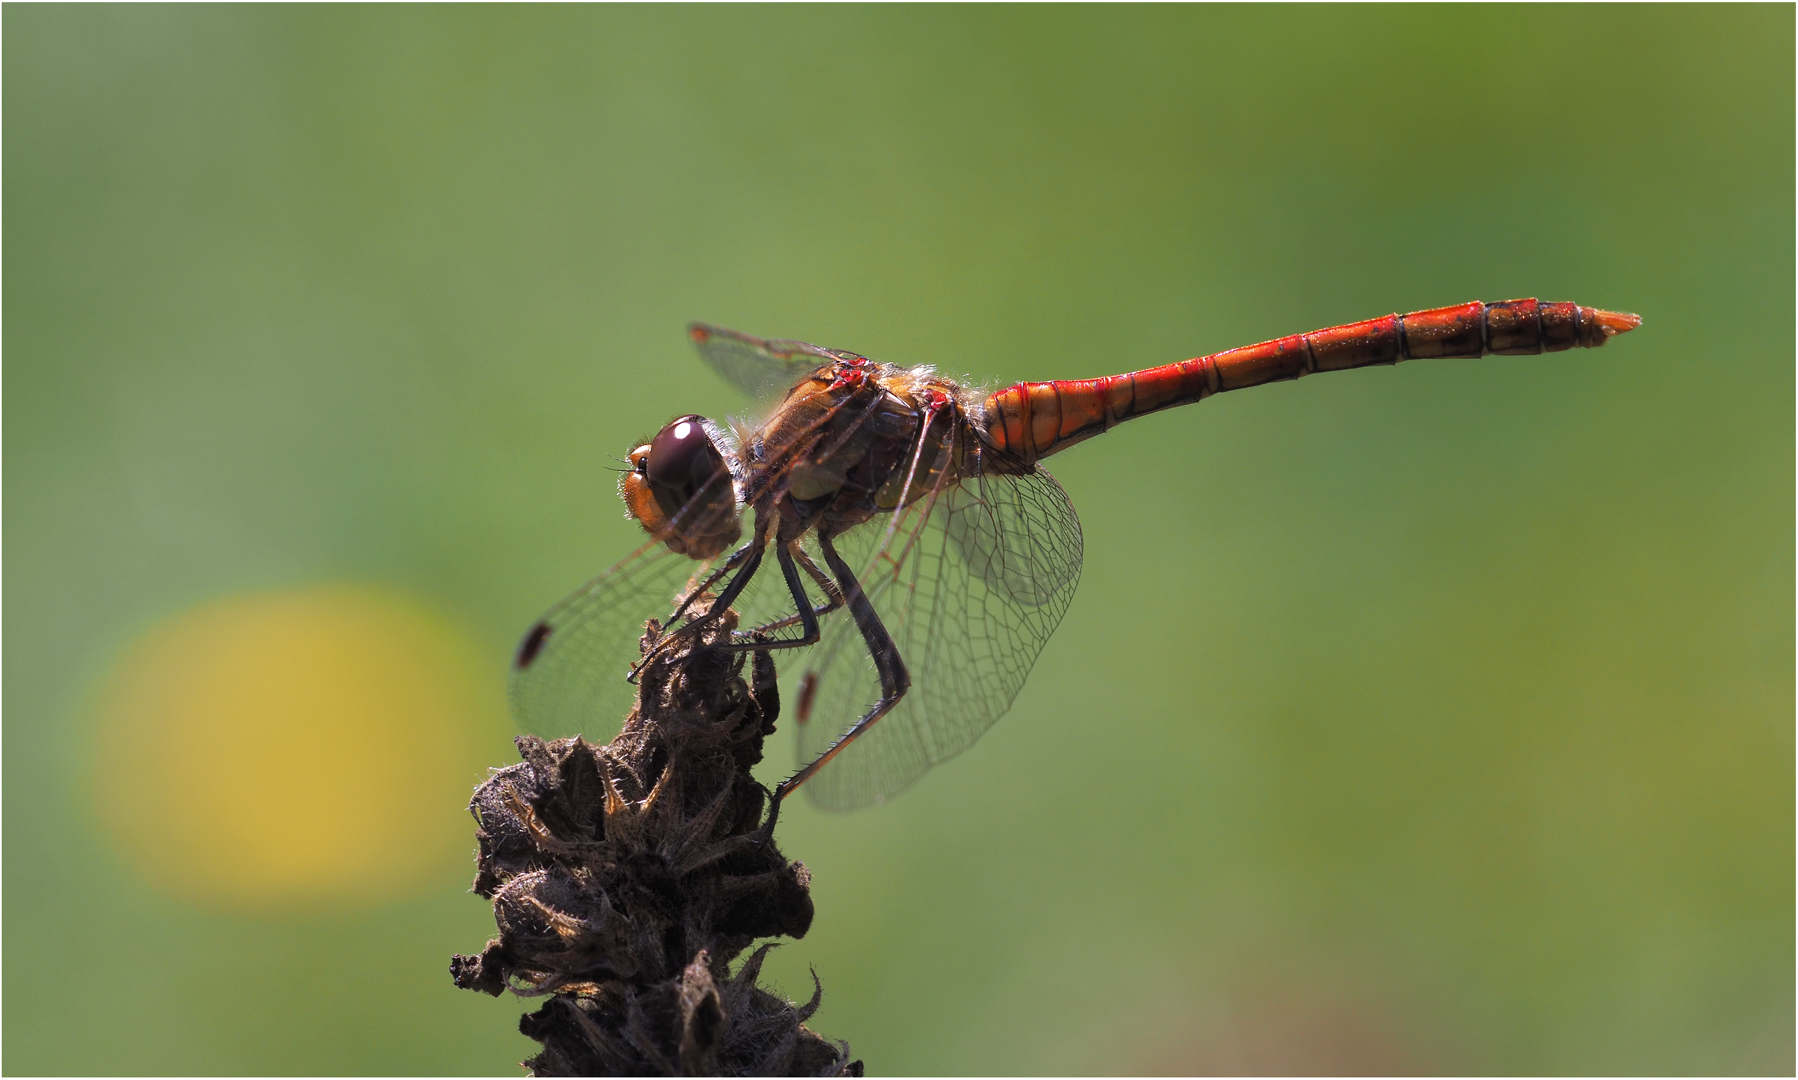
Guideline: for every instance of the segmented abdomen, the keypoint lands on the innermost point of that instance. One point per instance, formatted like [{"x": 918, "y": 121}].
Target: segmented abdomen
[{"x": 1033, "y": 420}]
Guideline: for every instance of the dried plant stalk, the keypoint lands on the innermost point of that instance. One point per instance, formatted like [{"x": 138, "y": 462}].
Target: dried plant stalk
[{"x": 625, "y": 879}]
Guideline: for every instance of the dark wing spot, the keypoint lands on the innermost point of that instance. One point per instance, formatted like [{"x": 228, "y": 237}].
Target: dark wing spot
[
  {"x": 808, "y": 689},
  {"x": 531, "y": 646}
]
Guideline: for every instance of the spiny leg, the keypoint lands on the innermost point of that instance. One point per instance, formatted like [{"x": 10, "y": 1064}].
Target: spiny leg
[
  {"x": 733, "y": 562},
  {"x": 833, "y": 596},
  {"x": 754, "y": 550},
  {"x": 802, "y": 604},
  {"x": 895, "y": 680},
  {"x": 825, "y": 585}
]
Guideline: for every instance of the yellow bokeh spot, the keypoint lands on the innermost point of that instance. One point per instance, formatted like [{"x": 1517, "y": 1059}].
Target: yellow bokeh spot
[{"x": 319, "y": 744}]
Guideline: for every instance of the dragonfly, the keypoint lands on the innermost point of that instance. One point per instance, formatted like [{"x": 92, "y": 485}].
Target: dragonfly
[{"x": 924, "y": 554}]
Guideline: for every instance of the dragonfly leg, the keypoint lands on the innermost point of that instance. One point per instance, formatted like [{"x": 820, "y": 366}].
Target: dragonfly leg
[
  {"x": 833, "y": 601},
  {"x": 735, "y": 560},
  {"x": 803, "y": 604},
  {"x": 821, "y": 579},
  {"x": 895, "y": 680},
  {"x": 751, "y": 561}
]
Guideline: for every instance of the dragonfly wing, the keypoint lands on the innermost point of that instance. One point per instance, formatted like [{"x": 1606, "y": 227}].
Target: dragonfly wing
[
  {"x": 970, "y": 584},
  {"x": 763, "y": 369},
  {"x": 569, "y": 672}
]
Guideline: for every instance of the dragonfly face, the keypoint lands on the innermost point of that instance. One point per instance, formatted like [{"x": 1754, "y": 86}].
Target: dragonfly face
[{"x": 679, "y": 488}]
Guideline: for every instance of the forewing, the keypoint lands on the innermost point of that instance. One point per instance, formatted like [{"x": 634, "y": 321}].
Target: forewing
[
  {"x": 569, "y": 672},
  {"x": 970, "y": 584},
  {"x": 763, "y": 369}
]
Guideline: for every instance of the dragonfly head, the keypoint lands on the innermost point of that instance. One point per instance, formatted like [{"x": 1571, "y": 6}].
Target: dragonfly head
[{"x": 679, "y": 488}]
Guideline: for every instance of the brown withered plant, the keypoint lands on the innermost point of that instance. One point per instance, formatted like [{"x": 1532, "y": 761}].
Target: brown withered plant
[{"x": 625, "y": 878}]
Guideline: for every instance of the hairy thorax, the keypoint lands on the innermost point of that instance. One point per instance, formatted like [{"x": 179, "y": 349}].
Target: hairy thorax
[{"x": 859, "y": 439}]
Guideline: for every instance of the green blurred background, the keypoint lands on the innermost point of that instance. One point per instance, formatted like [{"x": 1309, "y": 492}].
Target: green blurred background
[{"x": 1436, "y": 718}]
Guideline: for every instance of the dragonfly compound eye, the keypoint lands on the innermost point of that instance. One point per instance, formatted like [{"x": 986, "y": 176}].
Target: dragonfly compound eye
[
  {"x": 679, "y": 489},
  {"x": 683, "y": 465}
]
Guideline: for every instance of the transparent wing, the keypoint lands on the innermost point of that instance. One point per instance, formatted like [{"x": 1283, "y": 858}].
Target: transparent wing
[
  {"x": 765, "y": 370},
  {"x": 569, "y": 672},
  {"x": 970, "y": 584}
]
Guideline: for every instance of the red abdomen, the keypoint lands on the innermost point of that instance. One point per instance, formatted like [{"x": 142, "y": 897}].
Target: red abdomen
[{"x": 1030, "y": 421}]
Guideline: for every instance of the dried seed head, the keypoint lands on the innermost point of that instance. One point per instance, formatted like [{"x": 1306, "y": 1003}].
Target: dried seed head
[{"x": 625, "y": 878}]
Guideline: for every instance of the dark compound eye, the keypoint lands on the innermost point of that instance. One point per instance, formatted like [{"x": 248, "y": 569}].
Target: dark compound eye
[{"x": 682, "y": 462}]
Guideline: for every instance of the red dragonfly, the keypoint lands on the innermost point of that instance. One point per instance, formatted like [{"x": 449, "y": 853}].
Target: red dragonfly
[{"x": 925, "y": 555}]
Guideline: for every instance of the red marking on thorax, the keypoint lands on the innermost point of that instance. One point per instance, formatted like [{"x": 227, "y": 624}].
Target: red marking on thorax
[{"x": 850, "y": 374}]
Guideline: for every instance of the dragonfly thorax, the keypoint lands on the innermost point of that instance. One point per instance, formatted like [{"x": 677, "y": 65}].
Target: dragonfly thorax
[{"x": 854, "y": 440}]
